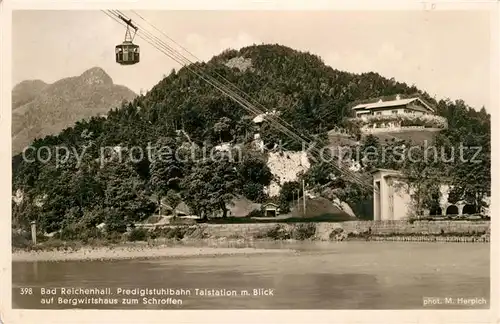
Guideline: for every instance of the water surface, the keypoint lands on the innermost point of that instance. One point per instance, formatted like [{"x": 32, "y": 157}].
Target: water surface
[{"x": 351, "y": 275}]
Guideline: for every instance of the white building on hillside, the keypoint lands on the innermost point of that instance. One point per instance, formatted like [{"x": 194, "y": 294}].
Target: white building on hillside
[
  {"x": 415, "y": 106},
  {"x": 409, "y": 113}
]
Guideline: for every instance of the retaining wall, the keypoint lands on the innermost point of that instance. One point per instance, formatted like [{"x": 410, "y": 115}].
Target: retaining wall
[
  {"x": 405, "y": 227},
  {"x": 376, "y": 228},
  {"x": 383, "y": 228}
]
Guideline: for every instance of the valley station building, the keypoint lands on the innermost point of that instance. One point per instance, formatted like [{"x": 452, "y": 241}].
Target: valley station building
[{"x": 392, "y": 199}]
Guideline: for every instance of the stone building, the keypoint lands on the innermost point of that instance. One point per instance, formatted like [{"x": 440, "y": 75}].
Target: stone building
[
  {"x": 271, "y": 210},
  {"x": 392, "y": 199}
]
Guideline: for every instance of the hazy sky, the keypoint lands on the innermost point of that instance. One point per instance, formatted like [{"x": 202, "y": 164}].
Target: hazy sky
[{"x": 444, "y": 53}]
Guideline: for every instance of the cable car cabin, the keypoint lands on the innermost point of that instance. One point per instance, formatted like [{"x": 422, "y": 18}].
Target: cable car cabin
[{"x": 127, "y": 53}]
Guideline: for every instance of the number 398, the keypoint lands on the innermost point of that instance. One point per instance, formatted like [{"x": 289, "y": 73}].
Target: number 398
[{"x": 26, "y": 291}]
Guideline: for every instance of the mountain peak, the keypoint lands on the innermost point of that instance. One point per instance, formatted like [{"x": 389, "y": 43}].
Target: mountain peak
[
  {"x": 39, "y": 110},
  {"x": 96, "y": 75}
]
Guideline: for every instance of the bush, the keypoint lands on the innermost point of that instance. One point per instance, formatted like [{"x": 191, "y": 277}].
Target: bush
[
  {"x": 90, "y": 234},
  {"x": 304, "y": 231},
  {"x": 278, "y": 232},
  {"x": 138, "y": 234},
  {"x": 114, "y": 237},
  {"x": 406, "y": 120},
  {"x": 153, "y": 235},
  {"x": 256, "y": 213},
  {"x": 196, "y": 232},
  {"x": 335, "y": 233},
  {"x": 253, "y": 191},
  {"x": 70, "y": 232},
  {"x": 55, "y": 244},
  {"x": 93, "y": 217},
  {"x": 177, "y": 233},
  {"x": 21, "y": 240},
  {"x": 298, "y": 232}
]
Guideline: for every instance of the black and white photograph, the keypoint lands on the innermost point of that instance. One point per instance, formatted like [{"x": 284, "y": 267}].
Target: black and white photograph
[{"x": 174, "y": 159}]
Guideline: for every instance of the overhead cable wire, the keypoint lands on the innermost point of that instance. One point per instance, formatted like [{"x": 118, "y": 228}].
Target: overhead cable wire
[
  {"x": 161, "y": 46},
  {"x": 157, "y": 43}
]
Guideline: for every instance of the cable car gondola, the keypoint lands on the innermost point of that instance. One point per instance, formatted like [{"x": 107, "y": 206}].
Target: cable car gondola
[{"x": 127, "y": 53}]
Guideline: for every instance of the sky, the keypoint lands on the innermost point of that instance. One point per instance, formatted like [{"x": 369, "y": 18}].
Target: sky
[{"x": 445, "y": 53}]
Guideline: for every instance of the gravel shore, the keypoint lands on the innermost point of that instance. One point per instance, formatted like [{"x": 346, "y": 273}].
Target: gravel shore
[{"x": 118, "y": 253}]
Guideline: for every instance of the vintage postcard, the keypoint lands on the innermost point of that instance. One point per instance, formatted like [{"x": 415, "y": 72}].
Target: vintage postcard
[{"x": 249, "y": 162}]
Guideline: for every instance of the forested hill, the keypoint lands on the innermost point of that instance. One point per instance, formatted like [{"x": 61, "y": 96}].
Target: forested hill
[{"x": 310, "y": 96}]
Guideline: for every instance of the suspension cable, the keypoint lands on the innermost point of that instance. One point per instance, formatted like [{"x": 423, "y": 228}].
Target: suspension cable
[{"x": 158, "y": 44}]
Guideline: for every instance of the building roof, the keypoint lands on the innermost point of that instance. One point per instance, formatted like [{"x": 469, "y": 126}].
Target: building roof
[
  {"x": 392, "y": 103},
  {"x": 181, "y": 208},
  {"x": 259, "y": 118},
  {"x": 387, "y": 172},
  {"x": 270, "y": 204},
  {"x": 419, "y": 108}
]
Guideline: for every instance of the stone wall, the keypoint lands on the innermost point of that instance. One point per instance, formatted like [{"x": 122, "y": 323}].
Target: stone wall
[
  {"x": 378, "y": 228},
  {"x": 323, "y": 230},
  {"x": 241, "y": 230}
]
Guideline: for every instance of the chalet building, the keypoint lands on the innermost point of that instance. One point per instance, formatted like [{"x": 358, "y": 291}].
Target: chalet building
[
  {"x": 414, "y": 106},
  {"x": 397, "y": 115}
]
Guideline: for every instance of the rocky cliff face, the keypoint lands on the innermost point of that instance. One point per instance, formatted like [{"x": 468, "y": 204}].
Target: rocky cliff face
[
  {"x": 40, "y": 109},
  {"x": 286, "y": 166}
]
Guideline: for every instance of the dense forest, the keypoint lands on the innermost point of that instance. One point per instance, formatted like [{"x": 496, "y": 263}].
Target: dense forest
[{"x": 182, "y": 111}]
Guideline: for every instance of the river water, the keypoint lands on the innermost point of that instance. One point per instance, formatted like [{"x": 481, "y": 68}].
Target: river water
[{"x": 351, "y": 275}]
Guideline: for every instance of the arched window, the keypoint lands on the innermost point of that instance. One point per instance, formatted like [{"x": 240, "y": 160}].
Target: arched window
[
  {"x": 452, "y": 210},
  {"x": 469, "y": 209}
]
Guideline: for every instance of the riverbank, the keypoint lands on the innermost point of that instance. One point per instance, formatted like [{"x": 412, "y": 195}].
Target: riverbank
[
  {"x": 172, "y": 240},
  {"x": 136, "y": 251}
]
